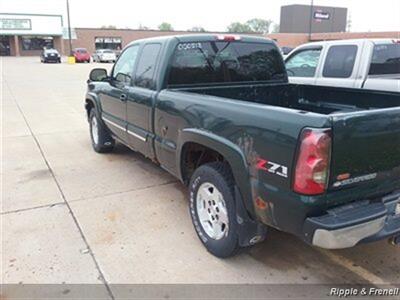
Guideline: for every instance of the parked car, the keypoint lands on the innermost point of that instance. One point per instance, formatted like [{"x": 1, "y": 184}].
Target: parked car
[
  {"x": 81, "y": 55},
  {"x": 104, "y": 55},
  {"x": 50, "y": 55},
  {"x": 363, "y": 63},
  {"x": 217, "y": 112}
]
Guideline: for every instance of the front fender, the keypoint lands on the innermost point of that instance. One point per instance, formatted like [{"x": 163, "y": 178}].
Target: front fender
[
  {"x": 230, "y": 151},
  {"x": 94, "y": 100}
]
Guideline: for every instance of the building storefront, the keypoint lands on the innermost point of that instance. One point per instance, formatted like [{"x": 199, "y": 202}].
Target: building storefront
[
  {"x": 112, "y": 43},
  {"x": 28, "y": 34}
]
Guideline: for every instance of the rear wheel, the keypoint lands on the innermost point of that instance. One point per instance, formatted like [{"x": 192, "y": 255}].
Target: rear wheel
[
  {"x": 102, "y": 141},
  {"x": 212, "y": 208}
]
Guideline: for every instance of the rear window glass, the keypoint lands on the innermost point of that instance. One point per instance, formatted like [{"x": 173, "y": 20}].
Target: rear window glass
[
  {"x": 339, "y": 61},
  {"x": 221, "y": 62},
  {"x": 385, "y": 59},
  {"x": 81, "y": 50},
  {"x": 107, "y": 51},
  {"x": 51, "y": 51}
]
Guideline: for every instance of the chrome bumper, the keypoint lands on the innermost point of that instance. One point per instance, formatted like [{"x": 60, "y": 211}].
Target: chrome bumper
[
  {"x": 347, "y": 237},
  {"x": 358, "y": 222}
]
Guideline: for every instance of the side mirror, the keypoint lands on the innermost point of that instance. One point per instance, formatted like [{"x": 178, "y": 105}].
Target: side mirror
[
  {"x": 123, "y": 78},
  {"x": 98, "y": 74}
]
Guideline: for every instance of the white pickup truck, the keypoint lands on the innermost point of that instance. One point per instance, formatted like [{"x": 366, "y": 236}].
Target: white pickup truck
[{"x": 361, "y": 63}]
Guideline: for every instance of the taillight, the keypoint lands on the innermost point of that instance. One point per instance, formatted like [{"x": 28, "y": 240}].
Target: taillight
[{"x": 312, "y": 167}]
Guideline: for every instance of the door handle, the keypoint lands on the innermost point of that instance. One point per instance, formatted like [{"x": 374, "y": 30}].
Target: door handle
[{"x": 122, "y": 97}]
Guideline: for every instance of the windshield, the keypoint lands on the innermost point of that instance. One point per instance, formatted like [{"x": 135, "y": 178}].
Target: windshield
[
  {"x": 385, "y": 59},
  {"x": 51, "y": 51},
  {"x": 108, "y": 51},
  {"x": 81, "y": 51},
  {"x": 225, "y": 62}
]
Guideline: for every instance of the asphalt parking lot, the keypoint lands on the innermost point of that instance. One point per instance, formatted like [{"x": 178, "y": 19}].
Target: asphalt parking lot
[{"x": 70, "y": 215}]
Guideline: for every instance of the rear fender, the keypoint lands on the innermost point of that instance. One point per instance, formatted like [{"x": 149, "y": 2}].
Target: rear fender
[{"x": 230, "y": 151}]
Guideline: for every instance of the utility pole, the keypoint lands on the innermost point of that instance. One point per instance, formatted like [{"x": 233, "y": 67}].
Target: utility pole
[
  {"x": 69, "y": 30},
  {"x": 311, "y": 18}
]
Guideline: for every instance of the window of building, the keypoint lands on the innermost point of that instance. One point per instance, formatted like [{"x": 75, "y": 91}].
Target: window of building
[
  {"x": 340, "y": 61},
  {"x": 385, "y": 59},
  {"x": 112, "y": 43},
  {"x": 147, "y": 63},
  {"x": 303, "y": 63},
  {"x": 36, "y": 43}
]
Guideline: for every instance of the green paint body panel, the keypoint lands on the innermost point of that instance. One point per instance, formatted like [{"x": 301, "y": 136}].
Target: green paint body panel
[{"x": 246, "y": 121}]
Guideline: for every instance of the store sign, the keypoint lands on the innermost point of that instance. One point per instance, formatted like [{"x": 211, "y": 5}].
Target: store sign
[
  {"x": 321, "y": 15},
  {"x": 108, "y": 40},
  {"x": 15, "y": 24}
]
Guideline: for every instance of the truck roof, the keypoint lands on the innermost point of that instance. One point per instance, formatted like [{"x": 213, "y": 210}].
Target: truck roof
[
  {"x": 204, "y": 37},
  {"x": 342, "y": 42}
]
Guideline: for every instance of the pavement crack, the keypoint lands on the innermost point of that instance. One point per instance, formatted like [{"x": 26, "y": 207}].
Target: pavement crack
[
  {"x": 101, "y": 274},
  {"x": 31, "y": 208}
]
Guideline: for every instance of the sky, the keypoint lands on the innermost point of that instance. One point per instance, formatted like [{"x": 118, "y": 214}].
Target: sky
[{"x": 213, "y": 15}]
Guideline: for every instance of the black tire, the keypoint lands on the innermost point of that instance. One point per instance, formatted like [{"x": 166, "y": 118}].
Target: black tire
[
  {"x": 105, "y": 143},
  {"x": 219, "y": 175}
]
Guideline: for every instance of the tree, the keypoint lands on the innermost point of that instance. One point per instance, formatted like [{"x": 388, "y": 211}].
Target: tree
[
  {"x": 259, "y": 25},
  {"x": 165, "y": 27},
  {"x": 239, "y": 27},
  {"x": 275, "y": 28},
  {"x": 197, "y": 29}
]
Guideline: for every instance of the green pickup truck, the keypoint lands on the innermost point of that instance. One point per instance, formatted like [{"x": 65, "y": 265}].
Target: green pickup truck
[{"x": 217, "y": 112}]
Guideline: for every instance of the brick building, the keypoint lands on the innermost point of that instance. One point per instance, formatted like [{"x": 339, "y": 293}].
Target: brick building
[
  {"x": 27, "y": 34},
  {"x": 91, "y": 38}
]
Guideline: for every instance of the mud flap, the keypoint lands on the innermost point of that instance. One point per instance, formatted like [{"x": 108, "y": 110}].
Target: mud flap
[{"x": 250, "y": 231}]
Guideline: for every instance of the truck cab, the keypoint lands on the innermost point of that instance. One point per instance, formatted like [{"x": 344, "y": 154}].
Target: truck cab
[{"x": 359, "y": 63}]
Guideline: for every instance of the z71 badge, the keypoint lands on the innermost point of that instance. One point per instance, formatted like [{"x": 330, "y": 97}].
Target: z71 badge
[{"x": 272, "y": 167}]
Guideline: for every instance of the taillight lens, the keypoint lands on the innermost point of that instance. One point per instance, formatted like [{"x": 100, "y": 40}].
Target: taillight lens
[{"x": 312, "y": 167}]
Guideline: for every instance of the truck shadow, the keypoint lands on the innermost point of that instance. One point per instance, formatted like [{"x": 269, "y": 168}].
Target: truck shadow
[{"x": 286, "y": 252}]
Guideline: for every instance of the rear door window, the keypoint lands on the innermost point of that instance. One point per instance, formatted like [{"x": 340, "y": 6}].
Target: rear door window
[
  {"x": 146, "y": 67},
  {"x": 225, "y": 62},
  {"x": 385, "y": 59},
  {"x": 303, "y": 63},
  {"x": 339, "y": 62}
]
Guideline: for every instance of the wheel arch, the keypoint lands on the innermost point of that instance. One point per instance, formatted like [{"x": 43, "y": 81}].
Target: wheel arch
[
  {"x": 230, "y": 152},
  {"x": 91, "y": 101}
]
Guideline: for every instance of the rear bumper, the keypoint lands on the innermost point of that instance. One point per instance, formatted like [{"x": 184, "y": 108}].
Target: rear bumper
[{"x": 359, "y": 222}]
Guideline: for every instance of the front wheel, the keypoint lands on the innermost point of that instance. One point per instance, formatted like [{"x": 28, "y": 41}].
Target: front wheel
[
  {"x": 213, "y": 209},
  {"x": 102, "y": 141}
]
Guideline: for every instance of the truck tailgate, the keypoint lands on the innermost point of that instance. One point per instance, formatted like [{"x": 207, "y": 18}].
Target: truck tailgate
[{"x": 366, "y": 149}]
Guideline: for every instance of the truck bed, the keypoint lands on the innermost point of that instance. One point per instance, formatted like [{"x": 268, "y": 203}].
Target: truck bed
[{"x": 306, "y": 98}]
